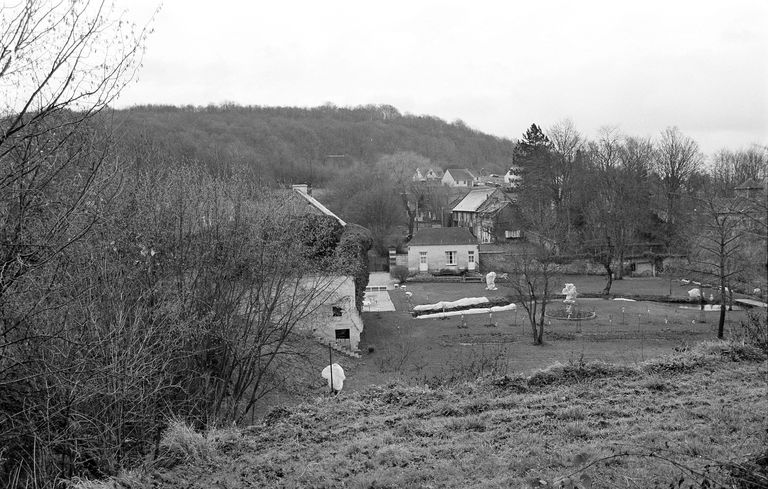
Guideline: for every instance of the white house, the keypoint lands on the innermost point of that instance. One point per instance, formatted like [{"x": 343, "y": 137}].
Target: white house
[
  {"x": 443, "y": 249},
  {"x": 513, "y": 178},
  {"x": 335, "y": 318},
  {"x": 458, "y": 177}
]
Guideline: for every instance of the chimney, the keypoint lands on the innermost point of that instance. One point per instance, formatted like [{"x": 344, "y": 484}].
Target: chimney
[{"x": 302, "y": 187}]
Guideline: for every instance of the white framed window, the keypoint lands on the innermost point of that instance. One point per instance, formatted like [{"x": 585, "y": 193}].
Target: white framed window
[
  {"x": 471, "y": 256},
  {"x": 450, "y": 258},
  {"x": 423, "y": 257},
  {"x": 513, "y": 234}
]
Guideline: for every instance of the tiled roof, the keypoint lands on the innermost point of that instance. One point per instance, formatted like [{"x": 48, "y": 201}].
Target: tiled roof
[
  {"x": 442, "y": 236},
  {"x": 473, "y": 200}
]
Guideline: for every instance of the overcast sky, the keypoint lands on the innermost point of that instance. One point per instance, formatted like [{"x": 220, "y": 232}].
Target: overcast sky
[{"x": 498, "y": 66}]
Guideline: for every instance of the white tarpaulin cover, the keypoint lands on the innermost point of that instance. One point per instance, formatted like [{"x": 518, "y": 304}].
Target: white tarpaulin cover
[
  {"x": 480, "y": 310},
  {"x": 694, "y": 294},
  {"x": 438, "y": 306},
  {"x": 338, "y": 376}
]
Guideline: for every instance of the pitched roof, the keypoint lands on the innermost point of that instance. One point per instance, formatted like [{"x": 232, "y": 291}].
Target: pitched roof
[
  {"x": 492, "y": 205},
  {"x": 442, "y": 236},
  {"x": 424, "y": 170},
  {"x": 473, "y": 200},
  {"x": 460, "y": 174},
  {"x": 317, "y": 205}
]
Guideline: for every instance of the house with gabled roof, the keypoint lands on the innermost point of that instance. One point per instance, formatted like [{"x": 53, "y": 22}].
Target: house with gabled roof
[
  {"x": 435, "y": 250},
  {"x": 336, "y": 321},
  {"x": 458, "y": 177},
  {"x": 514, "y": 177},
  {"x": 491, "y": 215},
  {"x": 428, "y": 175}
]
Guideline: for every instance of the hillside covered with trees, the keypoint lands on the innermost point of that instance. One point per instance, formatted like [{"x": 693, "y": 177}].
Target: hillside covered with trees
[{"x": 291, "y": 144}]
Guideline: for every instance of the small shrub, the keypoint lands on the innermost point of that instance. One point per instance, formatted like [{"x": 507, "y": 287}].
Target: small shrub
[
  {"x": 574, "y": 413},
  {"x": 182, "y": 444},
  {"x": 449, "y": 272},
  {"x": 655, "y": 383},
  {"x": 399, "y": 273},
  {"x": 559, "y": 373},
  {"x": 754, "y": 331},
  {"x": 577, "y": 430},
  {"x": 275, "y": 415}
]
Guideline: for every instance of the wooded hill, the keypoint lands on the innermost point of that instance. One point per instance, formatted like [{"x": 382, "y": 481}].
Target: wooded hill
[{"x": 293, "y": 144}]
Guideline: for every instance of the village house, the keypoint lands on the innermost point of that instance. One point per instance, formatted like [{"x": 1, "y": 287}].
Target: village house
[
  {"x": 335, "y": 319},
  {"x": 428, "y": 175},
  {"x": 458, "y": 177},
  {"x": 441, "y": 250},
  {"x": 489, "y": 214},
  {"x": 513, "y": 178}
]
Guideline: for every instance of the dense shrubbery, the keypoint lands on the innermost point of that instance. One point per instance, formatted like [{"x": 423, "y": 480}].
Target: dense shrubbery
[{"x": 175, "y": 303}]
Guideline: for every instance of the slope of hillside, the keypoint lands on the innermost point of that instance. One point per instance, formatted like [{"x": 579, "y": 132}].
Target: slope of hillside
[
  {"x": 697, "y": 414},
  {"x": 291, "y": 144}
]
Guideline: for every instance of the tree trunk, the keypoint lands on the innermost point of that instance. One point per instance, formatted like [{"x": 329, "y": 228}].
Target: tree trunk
[
  {"x": 721, "y": 322},
  {"x": 540, "y": 333},
  {"x": 532, "y": 318},
  {"x": 411, "y": 214},
  {"x": 620, "y": 271},
  {"x": 609, "y": 272}
]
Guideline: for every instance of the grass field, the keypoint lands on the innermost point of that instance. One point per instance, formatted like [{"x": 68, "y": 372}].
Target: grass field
[
  {"x": 678, "y": 418},
  {"x": 426, "y": 350}
]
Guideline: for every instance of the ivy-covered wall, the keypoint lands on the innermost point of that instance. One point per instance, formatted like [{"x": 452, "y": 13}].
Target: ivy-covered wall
[{"x": 338, "y": 250}]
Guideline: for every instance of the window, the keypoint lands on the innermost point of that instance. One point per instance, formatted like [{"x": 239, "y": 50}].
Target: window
[
  {"x": 423, "y": 257},
  {"x": 336, "y": 311},
  {"x": 485, "y": 235},
  {"x": 342, "y": 334},
  {"x": 450, "y": 258},
  {"x": 471, "y": 256},
  {"x": 513, "y": 234}
]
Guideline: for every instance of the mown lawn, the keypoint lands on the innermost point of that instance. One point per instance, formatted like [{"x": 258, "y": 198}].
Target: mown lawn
[
  {"x": 430, "y": 350},
  {"x": 693, "y": 414}
]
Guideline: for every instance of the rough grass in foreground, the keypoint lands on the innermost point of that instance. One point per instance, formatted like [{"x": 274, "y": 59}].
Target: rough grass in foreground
[
  {"x": 695, "y": 414},
  {"x": 180, "y": 444}
]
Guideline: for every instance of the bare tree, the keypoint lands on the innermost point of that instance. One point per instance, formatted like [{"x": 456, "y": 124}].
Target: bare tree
[
  {"x": 618, "y": 178},
  {"x": 61, "y": 65},
  {"x": 532, "y": 271},
  {"x": 567, "y": 143},
  {"x": 64, "y": 63},
  {"x": 718, "y": 246},
  {"x": 733, "y": 168},
  {"x": 677, "y": 159},
  {"x": 401, "y": 167}
]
